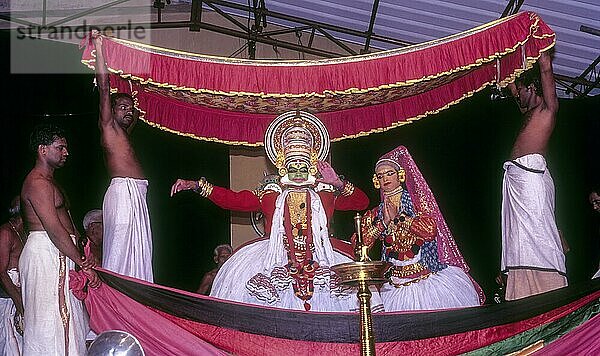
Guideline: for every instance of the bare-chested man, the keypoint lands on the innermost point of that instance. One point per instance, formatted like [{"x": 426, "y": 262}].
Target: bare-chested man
[
  {"x": 532, "y": 253},
  {"x": 127, "y": 241},
  {"x": 55, "y": 323},
  {"x": 11, "y": 305}
]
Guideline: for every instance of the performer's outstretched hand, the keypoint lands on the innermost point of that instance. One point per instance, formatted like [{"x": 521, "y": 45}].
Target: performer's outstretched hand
[
  {"x": 328, "y": 175},
  {"x": 182, "y": 184}
]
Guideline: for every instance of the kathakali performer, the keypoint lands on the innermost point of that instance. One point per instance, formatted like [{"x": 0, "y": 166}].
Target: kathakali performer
[
  {"x": 290, "y": 269},
  {"x": 428, "y": 270}
]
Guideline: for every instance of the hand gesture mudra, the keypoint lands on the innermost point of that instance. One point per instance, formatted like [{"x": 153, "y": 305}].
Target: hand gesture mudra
[
  {"x": 389, "y": 211},
  {"x": 182, "y": 184},
  {"x": 328, "y": 175}
]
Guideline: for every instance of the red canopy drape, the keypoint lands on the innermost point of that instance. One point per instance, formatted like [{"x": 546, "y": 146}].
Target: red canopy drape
[{"x": 233, "y": 100}]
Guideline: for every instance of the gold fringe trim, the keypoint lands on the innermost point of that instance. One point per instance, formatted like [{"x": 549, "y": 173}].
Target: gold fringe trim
[
  {"x": 312, "y": 62},
  {"x": 477, "y": 63},
  {"x": 503, "y": 83},
  {"x": 195, "y": 137},
  {"x": 517, "y": 73}
]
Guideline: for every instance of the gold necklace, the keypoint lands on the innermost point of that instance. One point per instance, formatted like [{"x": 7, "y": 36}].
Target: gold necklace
[
  {"x": 393, "y": 192},
  {"x": 396, "y": 201}
]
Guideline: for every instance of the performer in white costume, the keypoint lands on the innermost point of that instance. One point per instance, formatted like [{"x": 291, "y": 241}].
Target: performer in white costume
[
  {"x": 532, "y": 252},
  {"x": 291, "y": 269},
  {"x": 127, "y": 238},
  {"x": 428, "y": 270}
]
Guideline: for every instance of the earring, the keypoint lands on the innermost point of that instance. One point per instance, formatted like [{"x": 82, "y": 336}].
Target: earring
[
  {"x": 376, "y": 182},
  {"x": 282, "y": 171},
  {"x": 401, "y": 175}
]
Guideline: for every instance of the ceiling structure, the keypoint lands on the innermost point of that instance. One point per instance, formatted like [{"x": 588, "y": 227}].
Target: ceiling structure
[{"x": 371, "y": 25}]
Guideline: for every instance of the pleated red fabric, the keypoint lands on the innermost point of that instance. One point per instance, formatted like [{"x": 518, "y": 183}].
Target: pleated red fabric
[{"x": 233, "y": 100}]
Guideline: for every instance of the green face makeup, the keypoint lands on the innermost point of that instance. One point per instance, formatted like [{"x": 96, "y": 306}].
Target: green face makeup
[{"x": 298, "y": 172}]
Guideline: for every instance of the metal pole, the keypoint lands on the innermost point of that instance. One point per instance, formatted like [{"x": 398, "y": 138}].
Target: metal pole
[
  {"x": 371, "y": 25},
  {"x": 316, "y": 24},
  {"x": 367, "y": 338},
  {"x": 44, "y": 13}
]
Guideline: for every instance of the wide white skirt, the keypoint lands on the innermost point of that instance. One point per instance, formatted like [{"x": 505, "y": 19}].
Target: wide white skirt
[{"x": 243, "y": 278}]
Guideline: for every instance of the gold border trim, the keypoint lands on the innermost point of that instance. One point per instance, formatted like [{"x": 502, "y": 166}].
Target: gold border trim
[
  {"x": 311, "y": 62},
  {"x": 529, "y": 61},
  {"x": 528, "y": 65}
]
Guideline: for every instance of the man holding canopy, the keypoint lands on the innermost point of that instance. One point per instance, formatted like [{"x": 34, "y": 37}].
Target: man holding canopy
[
  {"x": 127, "y": 236},
  {"x": 290, "y": 269},
  {"x": 532, "y": 252}
]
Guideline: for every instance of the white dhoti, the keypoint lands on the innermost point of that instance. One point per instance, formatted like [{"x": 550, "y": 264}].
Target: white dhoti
[
  {"x": 11, "y": 341},
  {"x": 127, "y": 240},
  {"x": 530, "y": 238},
  {"x": 55, "y": 320}
]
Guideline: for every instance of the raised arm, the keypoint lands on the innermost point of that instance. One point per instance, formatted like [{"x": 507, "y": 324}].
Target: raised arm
[
  {"x": 42, "y": 202},
  {"x": 350, "y": 198},
  {"x": 103, "y": 82},
  {"x": 13, "y": 291},
  {"x": 548, "y": 84}
]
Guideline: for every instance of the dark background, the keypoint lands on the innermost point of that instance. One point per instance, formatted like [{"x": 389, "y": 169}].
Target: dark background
[{"x": 459, "y": 151}]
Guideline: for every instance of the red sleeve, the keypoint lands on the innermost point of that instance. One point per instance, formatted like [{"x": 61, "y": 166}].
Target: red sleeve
[
  {"x": 238, "y": 201},
  {"x": 358, "y": 200},
  {"x": 424, "y": 226},
  {"x": 371, "y": 227}
]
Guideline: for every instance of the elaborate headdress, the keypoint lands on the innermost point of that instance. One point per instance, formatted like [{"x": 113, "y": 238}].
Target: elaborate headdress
[
  {"x": 296, "y": 136},
  {"x": 424, "y": 202}
]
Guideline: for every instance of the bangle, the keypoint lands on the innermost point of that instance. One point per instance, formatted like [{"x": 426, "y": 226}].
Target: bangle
[
  {"x": 204, "y": 187},
  {"x": 348, "y": 189}
]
